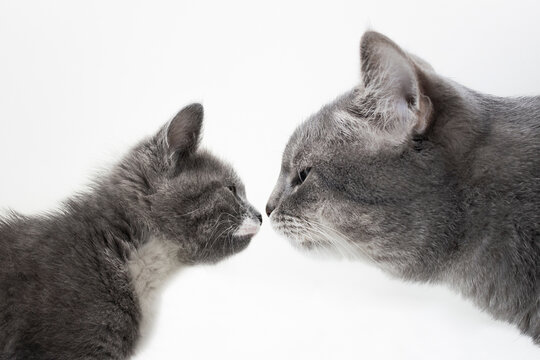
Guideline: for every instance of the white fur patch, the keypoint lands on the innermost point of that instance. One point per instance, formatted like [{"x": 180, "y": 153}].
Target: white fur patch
[
  {"x": 248, "y": 227},
  {"x": 372, "y": 137},
  {"x": 150, "y": 266}
]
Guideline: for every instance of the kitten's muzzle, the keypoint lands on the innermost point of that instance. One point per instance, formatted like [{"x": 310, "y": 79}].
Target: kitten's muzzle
[{"x": 249, "y": 226}]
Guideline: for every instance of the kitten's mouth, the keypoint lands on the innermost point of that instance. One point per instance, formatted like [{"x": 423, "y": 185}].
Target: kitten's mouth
[
  {"x": 242, "y": 238},
  {"x": 247, "y": 229},
  {"x": 240, "y": 242}
]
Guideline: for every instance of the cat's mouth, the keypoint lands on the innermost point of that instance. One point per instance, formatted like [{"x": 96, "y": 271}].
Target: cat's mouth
[
  {"x": 294, "y": 229},
  {"x": 314, "y": 235}
]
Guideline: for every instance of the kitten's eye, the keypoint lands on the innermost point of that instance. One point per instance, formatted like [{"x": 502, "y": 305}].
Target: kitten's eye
[
  {"x": 302, "y": 176},
  {"x": 232, "y": 189}
]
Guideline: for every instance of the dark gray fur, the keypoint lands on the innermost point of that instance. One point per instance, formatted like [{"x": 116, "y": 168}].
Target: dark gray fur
[
  {"x": 448, "y": 190},
  {"x": 65, "y": 290}
]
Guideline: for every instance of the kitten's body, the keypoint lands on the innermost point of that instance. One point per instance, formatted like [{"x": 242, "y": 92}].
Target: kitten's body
[
  {"x": 79, "y": 283},
  {"x": 66, "y": 287},
  {"x": 428, "y": 179}
]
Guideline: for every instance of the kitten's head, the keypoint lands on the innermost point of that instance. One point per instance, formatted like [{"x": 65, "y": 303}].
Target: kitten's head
[
  {"x": 358, "y": 178},
  {"x": 186, "y": 195}
]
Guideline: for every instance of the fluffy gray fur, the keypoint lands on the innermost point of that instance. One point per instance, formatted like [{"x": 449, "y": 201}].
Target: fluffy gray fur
[
  {"x": 66, "y": 289},
  {"x": 429, "y": 180}
]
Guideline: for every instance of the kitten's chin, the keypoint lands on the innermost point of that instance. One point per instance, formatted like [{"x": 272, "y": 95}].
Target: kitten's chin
[
  {"x": 240, "y": 242},
  {"x": 241, "y": 238},
  {"x": 222, "y": 250}
]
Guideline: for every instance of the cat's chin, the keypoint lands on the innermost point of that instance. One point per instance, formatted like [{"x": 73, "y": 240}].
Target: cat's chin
[
  {"x": 318, "y": 251},
  {"x": 304, "y": 245},
  {"x": 295, "y": 239},
  {"x": 322, "y": 249}
]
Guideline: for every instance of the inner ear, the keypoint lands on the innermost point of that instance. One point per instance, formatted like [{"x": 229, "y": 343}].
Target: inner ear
[
  {"x": 389, "y": 76},
  {"x": 385, "y": 67},
  {"x": 184, "y": 130}
]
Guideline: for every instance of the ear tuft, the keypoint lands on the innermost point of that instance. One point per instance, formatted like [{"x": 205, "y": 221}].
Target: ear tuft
[{"x": 184, "y": 130}]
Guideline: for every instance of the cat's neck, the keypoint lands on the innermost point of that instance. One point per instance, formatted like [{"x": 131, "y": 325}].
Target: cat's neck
[
  {"x": 459, "y": 120},
  {"x": 491, "y": 262}
]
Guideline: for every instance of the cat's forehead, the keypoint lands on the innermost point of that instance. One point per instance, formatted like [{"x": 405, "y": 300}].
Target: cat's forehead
[
  {"x": 317, "y": 132},
  {"x": 341, "y": 124}
]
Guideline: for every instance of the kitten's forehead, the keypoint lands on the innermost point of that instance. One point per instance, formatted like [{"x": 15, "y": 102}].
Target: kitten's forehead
[{"x": 205, "y": 164}]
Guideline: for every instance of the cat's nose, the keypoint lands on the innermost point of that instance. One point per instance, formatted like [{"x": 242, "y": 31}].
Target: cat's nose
[
  {"x": 259, "y": 216},
  {"x": 269, "y": 208}
]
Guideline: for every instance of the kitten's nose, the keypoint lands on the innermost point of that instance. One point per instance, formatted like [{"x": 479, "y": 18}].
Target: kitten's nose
[
  {"x": 269, "y": 208},
  {"x": 259, "y": 216}
]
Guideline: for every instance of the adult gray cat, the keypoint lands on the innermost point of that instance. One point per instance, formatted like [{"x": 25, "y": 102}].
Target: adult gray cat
[
  {"x": 77, "y": 284},
  {"x": 427, "y": 179}
]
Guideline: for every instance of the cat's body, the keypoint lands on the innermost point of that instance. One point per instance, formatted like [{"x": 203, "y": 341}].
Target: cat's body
[
  {"x": 429, "y": 180},
  {"x": 497, "y": 262},
  {"x": 79, "y": 283}
]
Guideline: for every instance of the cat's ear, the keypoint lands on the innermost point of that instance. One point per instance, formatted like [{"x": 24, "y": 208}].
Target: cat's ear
[
  {"x": 390, "y": 75},
  {"x": 183, "y": 132}
]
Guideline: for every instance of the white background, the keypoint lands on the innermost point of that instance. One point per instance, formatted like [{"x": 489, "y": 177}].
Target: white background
[{"x": 82, "y": 81}]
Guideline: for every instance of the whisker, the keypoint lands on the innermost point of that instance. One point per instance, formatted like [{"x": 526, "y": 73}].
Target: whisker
[{"x": 321, "y": 236}]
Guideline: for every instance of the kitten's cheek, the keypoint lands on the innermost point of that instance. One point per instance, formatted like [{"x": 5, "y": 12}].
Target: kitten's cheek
[{"x": 248, "y": 227}]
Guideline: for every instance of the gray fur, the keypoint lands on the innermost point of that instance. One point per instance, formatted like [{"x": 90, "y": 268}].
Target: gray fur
[
  {"x": 66, "y": 291},
  {"x": 429, "y": 180}
]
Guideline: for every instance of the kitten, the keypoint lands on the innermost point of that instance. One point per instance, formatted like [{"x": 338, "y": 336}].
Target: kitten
[
  {"x": 425, "y": 178},
  {"x": 77, "y": 284}
]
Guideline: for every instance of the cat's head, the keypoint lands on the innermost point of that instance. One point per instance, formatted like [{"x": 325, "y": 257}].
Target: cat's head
[
  {"x": 360, "y": 177},
  {"x": 187, "y": 195}
]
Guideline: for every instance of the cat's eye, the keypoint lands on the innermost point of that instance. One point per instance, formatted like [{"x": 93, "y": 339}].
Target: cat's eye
[
  {"x": 232, "y": 189},
  {"x": 302, "y": 176},
  {"x": 418, "y": 142}
]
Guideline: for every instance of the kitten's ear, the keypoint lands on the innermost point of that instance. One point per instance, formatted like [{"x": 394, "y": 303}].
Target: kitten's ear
[
  {"x": 184, "y": 131},
  {"x": 391, "y": 75}
]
